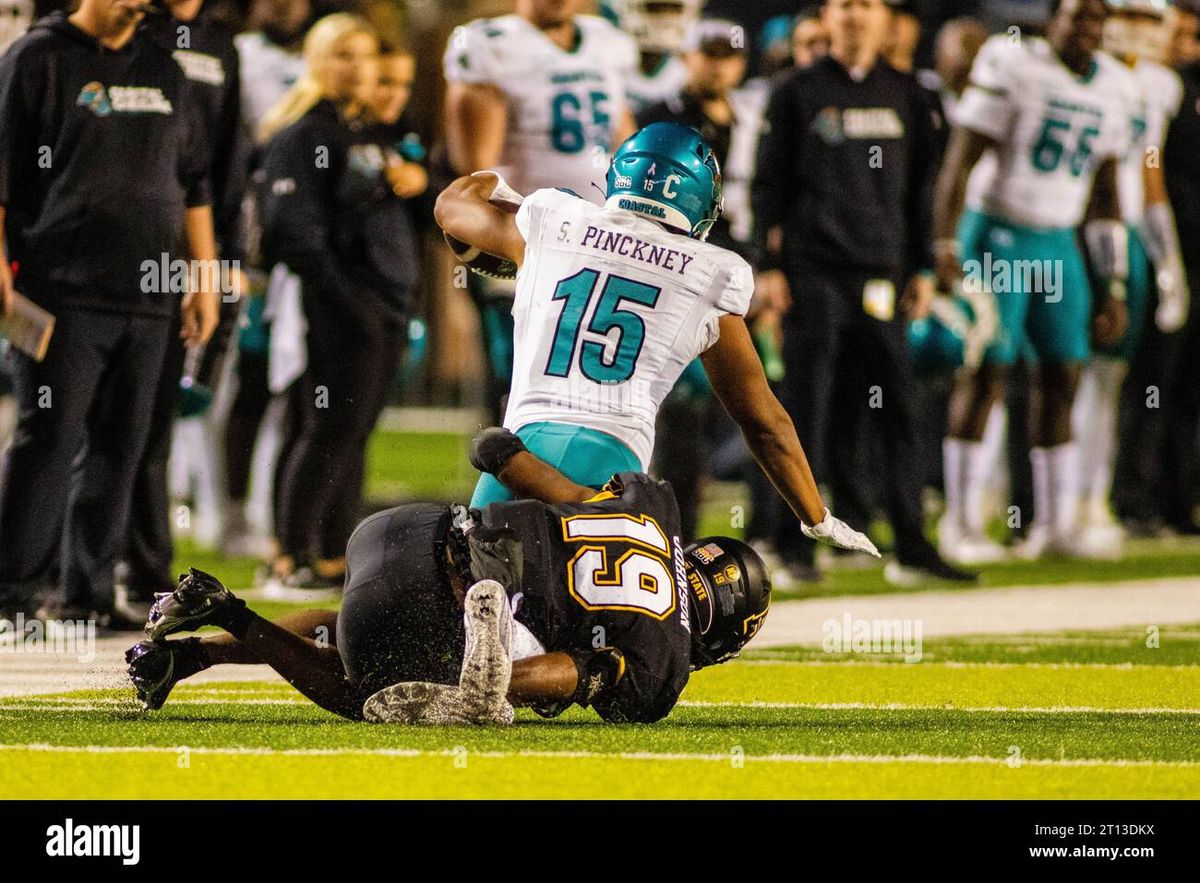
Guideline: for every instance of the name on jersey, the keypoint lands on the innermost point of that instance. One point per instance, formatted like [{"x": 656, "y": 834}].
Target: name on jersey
[
  {"x": 630, "y": 246},
  {"x": 200, "y": 67},
  {"x": 584, "y": 76}
]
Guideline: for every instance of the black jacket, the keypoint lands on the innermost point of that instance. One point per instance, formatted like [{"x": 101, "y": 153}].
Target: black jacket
[
  {"x": 100, "y": 153},
  {"x": 847, "y": 168},
  {"x": 1181, "y": 166},
  {"x": 205, "y": 50},
  {"x": 329, "y": 213}
]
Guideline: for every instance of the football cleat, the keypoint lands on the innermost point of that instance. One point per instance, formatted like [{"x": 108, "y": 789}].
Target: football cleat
[
  {"x": 199, "y": 600},
  {"x": 487, "y": 659},
  {"x": 156, "y": 667}
]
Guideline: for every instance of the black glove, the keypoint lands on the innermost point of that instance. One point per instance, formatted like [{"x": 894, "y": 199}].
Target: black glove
[
  {"x": 599, "y": 672},
  {"x": 494, "y": 447}
]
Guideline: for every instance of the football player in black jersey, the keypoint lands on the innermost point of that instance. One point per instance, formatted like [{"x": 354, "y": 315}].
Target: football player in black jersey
[{"x": 570, "y": 597}]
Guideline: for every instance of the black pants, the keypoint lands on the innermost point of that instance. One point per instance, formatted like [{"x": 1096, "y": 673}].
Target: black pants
[
  {"x": 826, "y": 331},
  {"x": 399, "y": 620},
  {"x": 91, "y": 398},
  {"x": 352, "y": 360},
  {"x": 1157, "y": 472}
]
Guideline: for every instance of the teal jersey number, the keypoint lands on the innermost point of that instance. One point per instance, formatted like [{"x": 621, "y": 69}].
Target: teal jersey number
[
  {"x": 1050, "y": 148},
  {"x": 577, "y": 292},
  {"x": 567, "y": 132}
]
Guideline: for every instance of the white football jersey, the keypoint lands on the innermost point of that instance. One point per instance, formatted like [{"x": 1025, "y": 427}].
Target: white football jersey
[
  {"x": 610, "y": 308},
  {"x": 665, "y": 81},
  {"x": 563, "y": 107},
  {"x": 1160, "y": 93},
  {"x": 268, "y": 71},
  {"x": 1053, "y": 130}
]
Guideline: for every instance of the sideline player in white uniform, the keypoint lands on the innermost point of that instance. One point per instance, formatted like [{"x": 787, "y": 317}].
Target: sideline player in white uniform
[
  {"x": 1138, "y": 33},
  {"x": 539, "y": 96},
  {"x": 613, "y": 302},
  {"x": 659, "y": 28},
  {"x": 1048, "y": 118}
]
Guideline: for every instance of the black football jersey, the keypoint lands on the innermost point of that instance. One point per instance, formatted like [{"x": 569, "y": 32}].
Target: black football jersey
[{"x": 609, "y": 572}]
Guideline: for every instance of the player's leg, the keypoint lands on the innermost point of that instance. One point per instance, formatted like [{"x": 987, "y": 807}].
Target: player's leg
[
  {"x": 1059, "y": 330},
  {"x": 53, "y": 398},
  {"x": 1094, "y": 416},
  {"x": 967, "y": 463},
  {"x": 100, "y": 502}
]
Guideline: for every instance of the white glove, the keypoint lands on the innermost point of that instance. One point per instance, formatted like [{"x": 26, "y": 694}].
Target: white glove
[
  {"x": 1173, "y": 298},
  {"x": 838, "y": 533},
  {"x": 502, "y": 195}
]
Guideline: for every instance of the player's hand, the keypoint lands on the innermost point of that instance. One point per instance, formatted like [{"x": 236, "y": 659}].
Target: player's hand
[
  {"x": 201, "y": 311},
  {"x": 836, "y": 532},
  {"x": 7, "y": 291},
  {"x": 407, "y": 179},
  {"x": 771, "y": 292},
  {"x": 946, "y": 265},
  {"x": 1173, "y": 298},
  {"x": 918, "y": 295},
  {"x": 493, "y": 448},
  {"x": 1110, "y": 323}
]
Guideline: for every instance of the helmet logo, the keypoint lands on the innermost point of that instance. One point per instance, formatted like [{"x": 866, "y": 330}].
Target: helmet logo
[
  {"x": 730, "y": 574},
  {"x": 669, "y": 190},
  {"x": 623, "y": 182}
]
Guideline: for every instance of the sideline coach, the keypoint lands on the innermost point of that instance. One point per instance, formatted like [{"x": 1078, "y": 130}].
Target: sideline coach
[
  {"x": 102, "y": 166},
  {"x": 842, "y": 201}
]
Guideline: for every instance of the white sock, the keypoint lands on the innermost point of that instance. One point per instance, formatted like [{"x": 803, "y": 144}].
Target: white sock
[
  {"x": 952, "y": 478},
  {"x": 1062, "y": 465},
  {"x": 1043, "y": 505},
  {"x": 978, "y": 458},
  {"x": 1101, "y": 436}
]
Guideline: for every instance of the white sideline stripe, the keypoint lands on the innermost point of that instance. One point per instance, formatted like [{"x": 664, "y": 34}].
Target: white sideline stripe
[
  {"x": 878, "y": 663},
  {"x": 72, "y": 704},
  {"x": 590, "y": 755}
]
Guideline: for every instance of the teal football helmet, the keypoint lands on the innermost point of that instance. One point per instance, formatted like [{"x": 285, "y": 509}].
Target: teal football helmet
[
  {"x": 958, "y": 329},
  {"x": 667, "y": 172}
]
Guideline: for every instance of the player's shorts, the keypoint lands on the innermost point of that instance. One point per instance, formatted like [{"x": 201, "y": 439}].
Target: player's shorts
[
  {"x": 1137, "y": 297},
  {"x": 584, "y": 455},
  {"x": 1041, "y": 285},
  {"x": 399, "y": 620}
]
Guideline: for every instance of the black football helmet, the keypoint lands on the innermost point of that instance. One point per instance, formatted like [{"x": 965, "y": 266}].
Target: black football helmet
[{"x": 729, "y": 591}]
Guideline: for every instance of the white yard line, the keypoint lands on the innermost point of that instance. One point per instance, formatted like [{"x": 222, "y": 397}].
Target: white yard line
[
  {"x": 591, "y": 755},
  {"x": 980, "y": 611}
]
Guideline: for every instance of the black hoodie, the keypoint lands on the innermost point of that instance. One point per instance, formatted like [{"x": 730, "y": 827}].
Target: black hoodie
[{"x": 101, "y": 150}]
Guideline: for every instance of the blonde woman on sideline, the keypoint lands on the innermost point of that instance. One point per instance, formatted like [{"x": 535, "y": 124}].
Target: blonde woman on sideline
[{"x": 336, "y": 216}]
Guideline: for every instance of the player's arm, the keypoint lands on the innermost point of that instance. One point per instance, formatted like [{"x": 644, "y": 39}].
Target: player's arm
[
  {"x": 949, "y": 196},
  {"x": 499, "y": 452},
  {"x": 626, "y": 126},
  {"x": 737, "y": 377},
  {"x": 476, "y": 120},
  {"x": 1107, "y": 240},
  {"x": 464, "y": 210},
  {"x": 201, "y": 306},
  {"x": 1162, "y": 243}
]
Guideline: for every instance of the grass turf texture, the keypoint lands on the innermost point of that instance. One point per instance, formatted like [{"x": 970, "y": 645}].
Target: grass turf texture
[{"x": 982, "y": 721}]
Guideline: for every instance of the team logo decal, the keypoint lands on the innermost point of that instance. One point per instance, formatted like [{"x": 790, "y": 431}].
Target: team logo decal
[{"x": 95, "y": 98}]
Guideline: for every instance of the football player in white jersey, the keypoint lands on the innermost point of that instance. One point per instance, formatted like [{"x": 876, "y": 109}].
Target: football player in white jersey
[
  {"x": 658, "y": 27},
  {"x": 1138, "y": 33},
  {"x": 613, "y": 302},
  {"x": 540, "y": 97},
  {"x": 1041, "y": 123}
]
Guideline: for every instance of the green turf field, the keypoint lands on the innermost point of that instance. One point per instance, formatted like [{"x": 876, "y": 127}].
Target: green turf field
[{"x": 1077, "y": 715}]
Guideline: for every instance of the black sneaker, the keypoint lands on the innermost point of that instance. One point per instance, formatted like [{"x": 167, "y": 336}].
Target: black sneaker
[
  {"x": 155, "y": 667},
  {"x": 927, "y": 564},
  {"x": 197, "y": 601}
]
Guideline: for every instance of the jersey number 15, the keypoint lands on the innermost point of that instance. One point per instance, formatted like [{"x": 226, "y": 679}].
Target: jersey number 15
[{"x": 607, "y": 314}]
